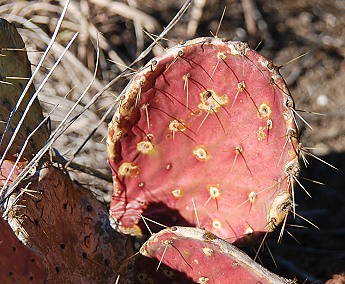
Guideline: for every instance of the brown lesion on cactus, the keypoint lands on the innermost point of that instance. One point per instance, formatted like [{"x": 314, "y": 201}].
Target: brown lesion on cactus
[
  {"x": 241, "y": 48},
  {"x": 208, "y": 236},
  {"x": 153, "y": 65},
  {"x": 128, "y": 169},
  {"x": 146, "y": 147},
  {"x": 196, "y": 112},
  {"x": 211, "y": 102},
  {"x": 177, "y": 125},
  {"x": 178, "y": 192},
  {"x": 201, "y": 153},
  {"x": 280, "y": 208},
  {"x": 289, "y": 107}
]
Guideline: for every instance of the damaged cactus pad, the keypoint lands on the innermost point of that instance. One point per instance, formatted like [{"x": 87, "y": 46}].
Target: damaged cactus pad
[
  {"x": 191, "y": 255},
  {"x": 205, "y": 136}
]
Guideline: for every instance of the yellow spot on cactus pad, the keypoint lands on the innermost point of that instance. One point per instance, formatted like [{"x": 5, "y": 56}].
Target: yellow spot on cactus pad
[
  {"x": 201, "y": 153},
  {"x": 248, "y": 231},
  {"x": 207, "y": 251},
  {"x": 214, "y": 191},
  {"x": 264, "y": 111},
  {"x": 241, "y": 86},
  {"x": 145, "y": 147},
  {"x": 211, "y": 101},
  {"x": 221, "y": 56},
  {"x": 176, "y": 126},
  {"x": 252, "y": 196},
  {"x": 203, "y": 280},
  {"x": 261, "y": 133},
  {"x": 128, "y": 169},
  {"x": 216, "y": 224},
  {"x": 178, "y": 192}
]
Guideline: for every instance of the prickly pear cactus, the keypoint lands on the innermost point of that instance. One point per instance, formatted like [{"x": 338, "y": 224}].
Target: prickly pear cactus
[
  {"x": 210, "y": 121},
  {"x": 15, "y": 70},
  {"x": 53, "y": 216},
  {"x": 191, "y": 255},
  {"x": 70, "y": 228},
  {"x": 18, "y": 263}
]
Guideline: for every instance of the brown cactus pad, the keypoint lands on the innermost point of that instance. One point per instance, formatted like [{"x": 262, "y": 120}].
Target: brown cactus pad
[
  {"x": 18, "y": 263},
  {"x": 70, "y": 228},
  {"x": 209, "y": 121}
]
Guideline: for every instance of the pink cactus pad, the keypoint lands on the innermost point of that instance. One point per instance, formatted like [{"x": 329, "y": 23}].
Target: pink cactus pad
[
  {"x": 5, "y": 170},
  {"x": 190, "y": 255},
  {"x": 210, "y": 121}
]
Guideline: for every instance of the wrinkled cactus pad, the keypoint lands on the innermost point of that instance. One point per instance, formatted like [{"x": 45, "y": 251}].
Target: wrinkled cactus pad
[
  {"x": 210, "y": 121},
  {"x": 191, "y": 255},
  {"x": 70, "y": 228}
]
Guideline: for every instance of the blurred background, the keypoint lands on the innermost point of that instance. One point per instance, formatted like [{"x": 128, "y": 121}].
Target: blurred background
[{"x": 305, "y": 37}]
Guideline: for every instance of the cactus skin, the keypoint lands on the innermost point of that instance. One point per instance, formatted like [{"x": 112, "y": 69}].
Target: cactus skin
[
  {"x": 18, "y": 264},
  {"x": 70, "y": 228},
  {"x": 209, "y": 121},
  {"x": 201, "y": 256},
  {"x": 5, "y": 171},
  {"x": 14, "y": 63}
]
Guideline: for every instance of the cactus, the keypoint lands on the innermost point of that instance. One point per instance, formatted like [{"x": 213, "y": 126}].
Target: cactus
[
  {"x": 70, "y": 228},
  {"x": 210, "y": 121},
  {"x": 18, "y": 263},
  {"x": 191, "y": 255},
  {"x": 53, "y": 216},
  {"x": 15, "y": 72},
  {"x": 204, "y": 136}
]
